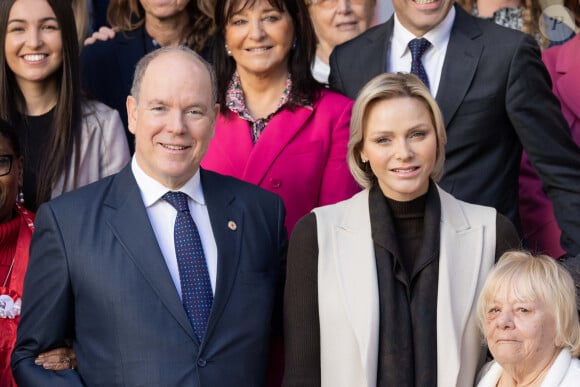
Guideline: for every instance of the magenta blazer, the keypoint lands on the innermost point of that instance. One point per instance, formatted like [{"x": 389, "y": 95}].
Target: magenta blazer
[
  {"x": 537, "y": 214},
  {"x": 301, "y": 155}
]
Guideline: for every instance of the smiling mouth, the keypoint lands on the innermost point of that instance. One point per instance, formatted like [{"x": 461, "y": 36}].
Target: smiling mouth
[
  {"x": 34, "y": 57},
  {"x": 421, "y": 2},
  {"x": 405, "y": 170},
  {"x": 174, "y": 147},
  {"x": 258, "y": 49}
]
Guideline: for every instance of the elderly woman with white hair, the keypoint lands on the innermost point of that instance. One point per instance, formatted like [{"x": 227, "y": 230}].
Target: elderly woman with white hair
[
  {"x": 381, "y": 288},
  {"x": 527, "y": 311}
]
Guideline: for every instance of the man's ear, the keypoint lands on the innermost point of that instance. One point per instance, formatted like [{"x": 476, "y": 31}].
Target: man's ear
[{"x": 131, "y": 113}]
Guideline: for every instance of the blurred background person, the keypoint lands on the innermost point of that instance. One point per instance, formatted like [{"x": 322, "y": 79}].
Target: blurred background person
[
  {"x": 278, "y": 127},
  {"x": 66, "y": 141},
  {"x": 541, "y": 230},
  {"x": 335, "y": 22},
  {"x": 381, "y": 288},
  {"x": 521, "y": 15},
  {"x": 16, "y": 227},
  {"x": 527, "y": 311},
  {"x": 141, "y": 26}
]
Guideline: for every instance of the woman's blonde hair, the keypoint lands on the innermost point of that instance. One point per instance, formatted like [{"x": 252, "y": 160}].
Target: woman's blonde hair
[
  {"x": 536, "y": 278},
  {"x": 383, "y": 87}
]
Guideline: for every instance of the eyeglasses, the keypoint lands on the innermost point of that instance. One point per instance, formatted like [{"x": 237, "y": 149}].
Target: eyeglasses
[
  {"x": 332, "y": 3},
  {"x": 5, "y": 164}
]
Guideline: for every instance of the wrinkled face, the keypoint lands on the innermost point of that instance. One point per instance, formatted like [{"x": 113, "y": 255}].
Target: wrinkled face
[
  {"x": 336, "y": 21},
  {"x": 520, "y": 333},
  {"x": 164, "y": 9},
  {"x": 173, "y": 120},
  {"x": 10, "y": 182},
  {"x": 33, "y": 43},
  {"x": 421, "y": 16},
  {"x": 400, "y": 143},
  {"x": 260, "y": 38}
]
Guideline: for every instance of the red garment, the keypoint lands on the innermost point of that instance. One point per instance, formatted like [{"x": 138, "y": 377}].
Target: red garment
[
  {"x": 14, "y": 289},
  {"x": 301, "y": 155}
]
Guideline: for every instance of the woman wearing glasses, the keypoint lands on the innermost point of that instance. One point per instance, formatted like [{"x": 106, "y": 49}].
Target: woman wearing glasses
[
  {"x": 335, "y": 22},
  {"x": 16, "y": 226},
  {"x": 66, "y": 141}
]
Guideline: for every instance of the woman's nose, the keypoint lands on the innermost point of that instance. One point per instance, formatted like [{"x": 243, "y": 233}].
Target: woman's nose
[
  {"x": 33, "y": 38},
  {"x": 505, "y": 320},
  {"x": 403, "y": 150}
]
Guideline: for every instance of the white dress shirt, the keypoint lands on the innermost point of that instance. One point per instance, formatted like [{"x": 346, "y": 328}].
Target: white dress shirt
[
  {"x": 399, "y": 59},
  {"x": 162, "y": 216},
  {"x": 320, "y": 70}
]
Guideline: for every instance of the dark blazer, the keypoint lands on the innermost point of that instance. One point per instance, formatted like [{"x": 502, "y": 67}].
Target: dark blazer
[
  {"x": 495, "y": 96},
  {"x": 107, "y": 69},
  {"x": 96, "y": 274}
]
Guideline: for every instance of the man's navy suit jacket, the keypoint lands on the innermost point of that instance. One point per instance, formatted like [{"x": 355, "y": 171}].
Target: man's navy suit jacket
[{"x": 97, "y": 275}]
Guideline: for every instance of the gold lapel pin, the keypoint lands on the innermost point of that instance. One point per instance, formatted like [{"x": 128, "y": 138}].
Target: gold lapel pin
[{"x": 232, "y": 225}]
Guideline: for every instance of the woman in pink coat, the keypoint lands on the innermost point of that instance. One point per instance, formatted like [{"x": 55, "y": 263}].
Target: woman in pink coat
[
  {"x": 538, "y": 222},
  {"x": 278, "y": 127}
]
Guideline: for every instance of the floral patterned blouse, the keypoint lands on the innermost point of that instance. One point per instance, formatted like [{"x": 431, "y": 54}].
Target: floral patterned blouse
[{"x": 236, "y": 102}]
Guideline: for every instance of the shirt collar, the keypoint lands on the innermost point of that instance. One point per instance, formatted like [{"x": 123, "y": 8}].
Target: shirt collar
[
  {"x": 438, "y": 36},
  {"x": 152, "y": 190}
]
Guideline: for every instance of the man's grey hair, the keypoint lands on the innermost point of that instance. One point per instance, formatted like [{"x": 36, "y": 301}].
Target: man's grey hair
[{"x": 147, "y": 59}]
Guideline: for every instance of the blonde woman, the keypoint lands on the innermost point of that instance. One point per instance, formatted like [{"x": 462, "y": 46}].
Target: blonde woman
[
  {"x": 381, "y": 288},
  {"x": 527, "y": 311}
]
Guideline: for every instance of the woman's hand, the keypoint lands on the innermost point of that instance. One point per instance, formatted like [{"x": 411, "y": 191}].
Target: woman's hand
[
  {"x": 57, "y": 359},
  {"x": 104, "y": 33}
]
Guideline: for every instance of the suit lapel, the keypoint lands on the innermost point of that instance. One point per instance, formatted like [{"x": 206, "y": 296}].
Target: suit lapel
[
  {"x": 459, "y": 270},
  {"x": 379, "y": 41},
  {"x": 222, "y": 211},
  {"x": 278, "y": 134},
  {"x": 140, "y": 243},
  {"x": 460, "y": 65}
]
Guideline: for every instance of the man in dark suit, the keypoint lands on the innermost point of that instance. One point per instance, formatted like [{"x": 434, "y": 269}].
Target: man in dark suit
[
  {"x": 107, "y": 271},
  {"x": 495, "y": 96}
]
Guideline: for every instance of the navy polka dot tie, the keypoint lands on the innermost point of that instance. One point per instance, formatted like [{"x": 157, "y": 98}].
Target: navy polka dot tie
[
  {"x": 418, "y": 48},
  {"x": 196, "y": 293}
]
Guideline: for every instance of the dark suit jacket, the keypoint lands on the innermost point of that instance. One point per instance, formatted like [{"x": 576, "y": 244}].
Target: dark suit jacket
[
  {"x": 495, "y": 96},
  {"x": 107, "y": 69},
  {"x": 96, "y": 274}
]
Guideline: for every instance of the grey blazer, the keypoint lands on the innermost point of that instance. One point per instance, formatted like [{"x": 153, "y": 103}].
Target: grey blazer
[{"x": 103, "y": 149}]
